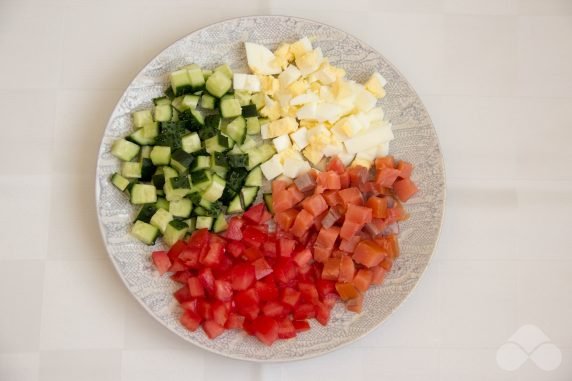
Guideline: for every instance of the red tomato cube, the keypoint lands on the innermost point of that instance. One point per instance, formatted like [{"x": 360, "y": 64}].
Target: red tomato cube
[
  {"x": 261, "y": 268},
  {"x": 286, "y": 329},
  {"x": 246, "y": 303},
  {"x": 190, "y": 320},
  {"x": 290, "y": 296},
  {"x": 242, "y": 276},
  {"x": 196, "y": 288},
  {"x": 161, "y": 261},
  {"x": 286, "y": 247},
  {"x": 212, "y": 329},
  {"x": 222, "y": 290},
  {"x": 266, "y": 329}
]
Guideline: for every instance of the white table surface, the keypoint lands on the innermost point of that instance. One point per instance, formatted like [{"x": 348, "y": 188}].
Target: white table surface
[{"x": 496, "y": 77}]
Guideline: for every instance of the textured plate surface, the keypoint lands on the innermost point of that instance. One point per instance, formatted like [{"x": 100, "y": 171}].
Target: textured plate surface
[{"x": 416, "y": 141}]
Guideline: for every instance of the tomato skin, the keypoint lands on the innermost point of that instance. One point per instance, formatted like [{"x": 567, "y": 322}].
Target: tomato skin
[
  {"x": 322, "y": 312},
  {"x": 266, "y": 329},
  {"x": 183, "y": 295},
  {"x": 190, "y": 320},
  {"x": 242, "y": 276},
  {"x": 252, "y": 253},
  {"x": 253, "y": 236},
  {"x": 175, "y": 250},
  {"x": 161, "y": 261},
  {"x": 213, "y": 257},
  {"x": 181, "y": 276},
  {"x": 405, "y": 189},
  {"x": 190, "y": 257},
  {"x": 266, "y": 290},
  {"x": 207, "y": 279},
  {"x": 304, "y": 311},
  {"x": 212, "y": 329},
  {"x": 220, "y": 313},
  {"x": 369, "y": 253},
  {"x": 254, "y": 213},
  {"x": 204, "y": 309},
  {"x": 199, "y": 239},
  {"x": 309, "y": 292},
  {"x": 235, "y": 248},
  {"x": 284, "y": 271}
]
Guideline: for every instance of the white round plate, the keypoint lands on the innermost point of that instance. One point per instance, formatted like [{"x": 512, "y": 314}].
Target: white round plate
[{"x": 415, "y": 141}]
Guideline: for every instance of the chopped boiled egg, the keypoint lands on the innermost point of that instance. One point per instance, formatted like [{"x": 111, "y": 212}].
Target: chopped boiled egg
[
  {"x": 326, "y": 75},
  {"x": 304, "y": 98},
  {"x": 364, "y": 100},
  {"x": 294, "y": 167},
  {"x": 247, "y": 82},
  {"x": 308, "y": 111},
  {"x": 376, "y": 135},
  {"x": 264, "y": 134},
  {"x": 260, "y": 59},
  {"x": 346, "y": 158},
  {"x": 281, "y": 143},
  {"x": 271, "y": 109},
  {"x": 298, "y": 87},
  {"x": 300, "y": 138},
  {"x": 289, "y": 76},
  {"x": 375, "y": 85},
  {"x": 301, "y": 47},
  {"x": 382, "y": 149},
  {"x": 283, "y": 56},
  {"x": 309, "y": 62},
  {"x": 282, "y": 126},
  {"x": 272, "y": 168},
  {"x": 368, "y": 154},
  {"x": 376, "y": 114},
  {"x": 333, "y": 149},
  {"x": 313, "y": 155},
  {"x": 269, "y": 84}
]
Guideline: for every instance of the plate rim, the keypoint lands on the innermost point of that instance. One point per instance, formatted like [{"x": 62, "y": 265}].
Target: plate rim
[{"x": 435, "y": 244}]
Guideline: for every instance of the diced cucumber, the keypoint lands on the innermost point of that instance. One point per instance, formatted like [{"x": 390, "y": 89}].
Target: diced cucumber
[
  {"x": 201, "y": 162},
  {"x": 143, "y": 194},
  {"x": 215, "y": 189},
  {"x": 177, "y": 104},
  {"x": 248, "y": 195},
  {"x": 268, "y": 202},
  {"x": 147, "y": 169},
  {"x": 249, "y": 111},
  {"x": 162, "y": 204},
  {"x": 225, "y": 69},
  {"x": 211, "y": 127},
  {"x": 131, "y": 170},
  {"x": 252, "y": 126},
  {"x": 230, "y": 107},
  {"x": 260, "y": 154},
  {"x": 207, "y": 73},
  {"x": 235, "y": 178},
  {"x": 151, "y": 130},
  {"x": 174, "y": 232},
  {"x": 175, "y": 115},
  {"x": 146, "y": 152},
  {"x": 161, "y": 101},
  {"x": 236, "y": 130},
  {"x": 196, "y": 78},
  {"x": 235, "y": 206},
  {"x": 220, "y": 224},
  {"x": 200, "y": 211},
  {"x": 191, "y": 143},
  {"x": 189, "y": 101},
  {"x": 218, "y": 143},
  {"x": 146, "y": 213},
  {"x": 124, "y": 150},
  {"x": 243, "y": 97},
  {"x": 180, "y": 182},
  {"x": 169, "y": 172},
  {"x": 130, "y": 186},
  {"x": 161, "y": 155},
  {"x": 238, "y": 160},
  {"x": 145, "y": 232},
  {"x": 258, "y": 100},
  {"x": 208, "y": 101},
  {"x": 192, "y": 224},
  {"x": 160, "y": 219},
  {"x": 249, "y": 143},
  {"x": 140, "y": 138},
  {"x": 119, "y": 181},
  {"x": 180, "y": 82},
  {"x": 254, "y": 178},
  {"x": 172, "y": 194},
  {"x": 201, "y": 180},
  {"x": 181, "y": 161},
  {"x": 181, "y": 208},
  {"x": 163, "y": 113},
  {"x": 218, "y": 84},
  {"x": 204, "y": 222},
  {"x": 142, "y": 117}
]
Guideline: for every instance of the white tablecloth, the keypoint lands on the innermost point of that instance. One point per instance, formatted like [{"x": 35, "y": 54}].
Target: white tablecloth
[{"x": 495, "y": 75}]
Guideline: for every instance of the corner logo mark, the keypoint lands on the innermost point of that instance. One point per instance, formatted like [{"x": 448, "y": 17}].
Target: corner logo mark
[{"x": 529, "y": 342}]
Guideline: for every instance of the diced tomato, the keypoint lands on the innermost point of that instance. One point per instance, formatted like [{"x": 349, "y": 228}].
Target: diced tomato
[
  {"x": 405, "y": 169},
  {"x": 204, "y": 309},
  {"x": 214, "y": 255},
  {"x": 266, "y": 329},
  {"x": 368, "y": 253},
  {"x": 304, "y": 311},
  {"x": 254, "y": 213},
  {"x": 358, "y": 175},
  {"x": 286, "y": 329},
  {"x": 234, "y": 321},
  {"x": 290, "y": 297},
  {"x": 266, "y": 290},
  {"x": 222, "y": 290},
  {"x": 325, "y": 287},
  {"x": 275, "y": 309},
  {"x": 246, "y": 303},
  {"x": 378, "y": 274},
  {"x": 207, "y": 279},
  {"x": 242, "y": 276},
  {"x": 176, "y": 249},
  {"x": 329, "y": 180},
  {"x": 331, "y": 270},
  {"x": 302, "y": 223},
  {"x": 196, "y": 288},
  {"x": 285, "y": 219},
  {"x": 220, "y": 313},
  {"x": 252, "y": 253},
  {"x": 301, "y": 325},
  {"x": 278, "y": 185},
  {"x": 212, "y": 329},
  {"x": 355, "y": 304},
  {"x": 336, "y": 165},
  {"x": 269, "y": 247},
  {"x": 404, "y": 189},
  {"x": 315, "y": 205},
  {"x": 181, "y": 276},
  {"x": 253, "y": 236},
  {"x": 331, "y": 299},
  {"x": 199, "y": 239},
  {"x": 348, "y": 245},
  {"x": 386, "y": 177},
  {"x": 359, "y": 214},
  {"x": 309, "y": 292},
  {"x": 190, "y": 257},
  {"x": 327, "y": 237},
  {"x": 347, "y": 269},
  {"x": 178, "y": 265},
  {"x": 351, "y": 196},
  {"x": 190, "y": 320},
  {"x": 286, "y": 247},
  {"x": 322, "y": 313},
  {"x": 266, "y": 216},
  {"x": 234, "y": 229},
  {"x": 182, "y": 294},
  {"x": 346, "y": 291},
  {"x": 284, "y": 271},
  {"x": 321, "y": 254},
  {"x": 161, "y": 261},
  {"x": 349, "y": 229},
  {"x": 378, "y": 206},
  {"x": 363, "y": 279},
  {"x": 295, "y": 195},
  {"x": 235, "y": 248},
  {"x": 261, "y": 268},
  {"x": 302, "y": 257},
  {"x": 384, "y": 162}
]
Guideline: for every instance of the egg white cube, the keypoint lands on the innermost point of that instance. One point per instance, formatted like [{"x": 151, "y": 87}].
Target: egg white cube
[
  {"x": 346, "y": 158},
  {"x": 333, "y": 149},
  {"x": 300, "y": 138},
  {"x": 308, "y": 111},
  {"x": 375, "y": 85},
  {"x": 304, "y": 98},
  {"x": 364, "y": 100},
  {"x": 260, "y": 59},
  {"x": 245, "y": 82},
  {"x": 281, "y": 143},
  {"x": 326, "y": 94},
  {"x": 376, "y": 114},
  {"x": 326, "y": 75},
  {"x": 272, "y": 168},
  {"x": 368, "y": 154},
  {"x": 289, "y": 76},
  {"x": 264, "y": 134},
  {"x": 330, "y": 112},
  {"x": 382, "y": 150},
  {"x": 310, "y": 62},
  {"x": 367, "y": 139},
  {"x": 301, "y": 47},
  {"x": 294, "y": 167}
]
